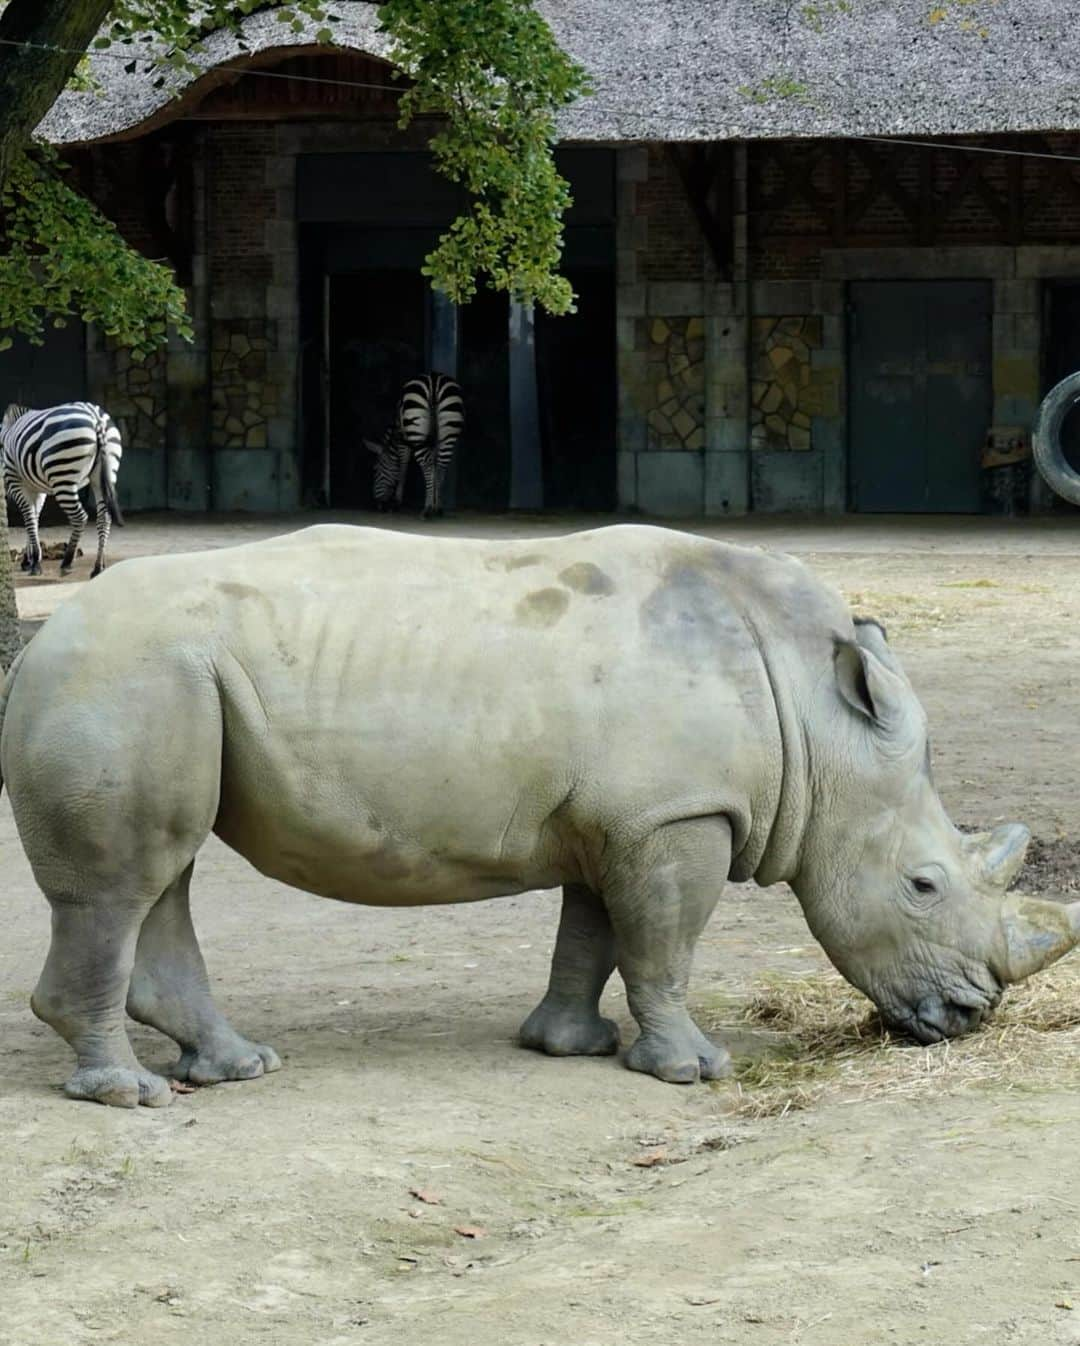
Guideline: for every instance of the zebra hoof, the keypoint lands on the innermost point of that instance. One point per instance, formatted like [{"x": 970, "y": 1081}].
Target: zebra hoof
[
  {"x": 96, "y": 571},
  {"x": 35, "y": 569},
  {"x": 24, "y": 564}
]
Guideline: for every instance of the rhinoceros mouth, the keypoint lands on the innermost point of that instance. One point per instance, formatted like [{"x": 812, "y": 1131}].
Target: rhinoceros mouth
[{"x": 935, "y": 1017}]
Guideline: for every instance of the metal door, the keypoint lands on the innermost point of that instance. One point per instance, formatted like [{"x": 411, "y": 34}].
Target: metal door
[{"x": 920, "y": 394}]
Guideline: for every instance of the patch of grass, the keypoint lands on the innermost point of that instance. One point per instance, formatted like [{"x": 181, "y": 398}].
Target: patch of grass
[
  {"x": 971, "y": 584},
  {"x": 828, "y": 1044}
]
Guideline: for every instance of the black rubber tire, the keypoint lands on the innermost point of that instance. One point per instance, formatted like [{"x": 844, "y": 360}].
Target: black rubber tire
[{"x": 1046, "y": 439}]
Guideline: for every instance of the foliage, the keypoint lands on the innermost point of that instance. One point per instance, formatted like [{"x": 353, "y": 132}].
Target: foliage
[
  {"x": 61, "y": 258},
  {"x": 494, "y": 70},
  {"x": 491, "y": 67},
  {"x": 167, "y": 34}
]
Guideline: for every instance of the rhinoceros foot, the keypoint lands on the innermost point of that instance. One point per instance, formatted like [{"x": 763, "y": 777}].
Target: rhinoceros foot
[
  {"x": 563, "y": 1029},
  {"x": 119, "y": 1087},
  {"x": 237, "y": 1060},
  {"x": 679, "y": 1056}
]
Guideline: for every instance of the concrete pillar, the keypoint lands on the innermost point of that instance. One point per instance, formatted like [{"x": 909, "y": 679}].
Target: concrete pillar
[
  {"x": 187, "y": 367},
  {"x": 727, "y": 376},
  {"x": 526, "y": 456}
]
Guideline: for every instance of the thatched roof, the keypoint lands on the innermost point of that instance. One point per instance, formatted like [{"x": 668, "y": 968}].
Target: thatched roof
[{"x": 700, "y": 69}]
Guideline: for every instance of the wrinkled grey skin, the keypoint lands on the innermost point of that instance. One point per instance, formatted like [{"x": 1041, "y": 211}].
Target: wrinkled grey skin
[{"x": 631, "y": 713}]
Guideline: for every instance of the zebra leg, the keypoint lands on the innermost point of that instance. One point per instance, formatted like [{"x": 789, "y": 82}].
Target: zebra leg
[
  {"x": 427, "y": 466},
  {"x": 68, "y": 500},
  {"x": 30, "y": 509},
  {"x": 103, "y": 525},
  {"x": 170, "y": 991},
  {"x": 24, "y": 560},
  {"x": 402, "y": 473},
  {"x": 440, "y": 477},
  {"x": 81, "y": 994}
]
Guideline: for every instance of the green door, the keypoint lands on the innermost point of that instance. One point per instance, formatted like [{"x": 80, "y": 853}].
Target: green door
[{"x": 920, "y": 394}]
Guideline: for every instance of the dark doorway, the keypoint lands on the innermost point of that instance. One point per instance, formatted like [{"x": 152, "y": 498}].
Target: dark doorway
[
  {"x": 483, "y": 460},
  {"x": 1061, "y": 345},
  {"x": 920, "y": 397},
  {"x": 368, "y": 322},
  {"x": 577, "y": 390},
  {"x": 377, "y": 340}
]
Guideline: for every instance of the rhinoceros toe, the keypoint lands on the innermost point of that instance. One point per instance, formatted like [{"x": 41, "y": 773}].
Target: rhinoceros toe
[
  {"x": 684, "y": 1057},
  {"x": 119, "y": 1087},
  {"x": 241, "y": 1061},
  {"x": 563, "y": 1029}
]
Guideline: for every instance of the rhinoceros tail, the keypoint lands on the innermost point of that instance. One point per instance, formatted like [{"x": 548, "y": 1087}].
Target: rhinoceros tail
[{"x": 5, "y": 692}]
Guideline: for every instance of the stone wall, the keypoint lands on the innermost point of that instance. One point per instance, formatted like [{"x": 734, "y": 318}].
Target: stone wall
[
  {"x": 675, "y": 396},
  {"x": 683, "y": 432},
  {"x": 134, "y": 393},
  {"x": 243, "y": 401},
  {"x": 785, "y": 388}
]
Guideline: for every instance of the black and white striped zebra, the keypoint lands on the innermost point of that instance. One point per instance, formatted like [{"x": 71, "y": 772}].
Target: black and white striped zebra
[
  {"x": 58, "y": 451},
  {"x": 427, "y": 426}
]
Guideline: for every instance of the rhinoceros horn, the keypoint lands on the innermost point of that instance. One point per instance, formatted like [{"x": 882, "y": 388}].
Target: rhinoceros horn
[
  {"x": 1036, "y": 934},
  {"x": 1050, "y": 459}
]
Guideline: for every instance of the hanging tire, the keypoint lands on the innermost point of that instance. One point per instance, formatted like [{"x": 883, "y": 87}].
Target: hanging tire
[{"x": 1046, "y": 439}]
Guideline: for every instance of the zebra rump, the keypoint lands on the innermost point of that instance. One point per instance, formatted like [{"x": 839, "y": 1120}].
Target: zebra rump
[
  {"x": 427, "y": 426},
  {"x": 58, "y": 451}
]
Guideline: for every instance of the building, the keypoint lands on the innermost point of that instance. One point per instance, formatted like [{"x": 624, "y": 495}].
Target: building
[{"x": 802, "y": 286}]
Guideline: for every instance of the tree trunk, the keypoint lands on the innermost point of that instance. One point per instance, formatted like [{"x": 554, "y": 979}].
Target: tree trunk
[
  {"x": 31, "y": 80},
  {"x": 32, "y": 77}
]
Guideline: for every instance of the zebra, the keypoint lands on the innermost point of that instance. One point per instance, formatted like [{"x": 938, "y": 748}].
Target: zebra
[
  {"x": 58, "y": 451},
  {"x": 428, "y": 424}
]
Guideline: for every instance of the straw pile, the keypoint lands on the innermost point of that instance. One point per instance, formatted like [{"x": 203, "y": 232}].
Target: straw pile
[{"x": 824, "y": 1043}]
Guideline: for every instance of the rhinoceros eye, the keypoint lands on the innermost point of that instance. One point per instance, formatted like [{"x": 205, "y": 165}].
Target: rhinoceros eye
[{"x": 924, "y": 886}]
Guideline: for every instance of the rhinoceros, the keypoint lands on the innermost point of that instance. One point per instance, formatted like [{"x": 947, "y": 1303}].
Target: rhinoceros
[{"x": 632, "y": 713}]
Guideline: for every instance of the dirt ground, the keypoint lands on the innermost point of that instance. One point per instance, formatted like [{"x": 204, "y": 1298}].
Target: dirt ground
[{"x": 281, "y": 1210}]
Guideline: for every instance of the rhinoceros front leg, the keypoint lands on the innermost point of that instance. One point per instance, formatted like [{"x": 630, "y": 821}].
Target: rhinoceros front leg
[
  {"x": 660, "y": 896},
  {"x": 567, "y": 1022},
  {"x": 170, "y": 991},
  {"x": 81, "y": 994}
]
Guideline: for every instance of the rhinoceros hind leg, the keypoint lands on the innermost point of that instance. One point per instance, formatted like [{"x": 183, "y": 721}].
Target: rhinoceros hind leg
[
  {"x": 170, "y": 991},
  {"x": 660, "y": 896},
  {"x": 81, "y": 994},
  {"x": 567, "y": 1022}
]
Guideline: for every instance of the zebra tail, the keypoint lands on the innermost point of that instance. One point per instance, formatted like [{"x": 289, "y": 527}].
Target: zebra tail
[
  {"x": 5, "y": 692},
  {"x": 107, "y": 488}
]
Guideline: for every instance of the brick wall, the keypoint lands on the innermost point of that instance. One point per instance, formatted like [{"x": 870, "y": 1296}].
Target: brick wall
[
  {"x": 110, "y": 176},
  {"x": 241, "y": 203},
  {"x": 926, "y": 197},
  {"x": 671, "y": 242}
]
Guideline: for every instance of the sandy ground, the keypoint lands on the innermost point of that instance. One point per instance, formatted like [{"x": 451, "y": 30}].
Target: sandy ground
[{"x": 279, "y": 1211}]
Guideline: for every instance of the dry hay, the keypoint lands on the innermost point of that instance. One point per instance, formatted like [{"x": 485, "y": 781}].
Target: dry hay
[
  {"x": 827, "y": 1044},
  {"x": 50, "y": 551},
  {"x": 899, "y": 612}
]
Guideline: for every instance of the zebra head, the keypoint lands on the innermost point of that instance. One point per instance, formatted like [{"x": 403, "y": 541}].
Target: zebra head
[{"x": 388, "y": 467}]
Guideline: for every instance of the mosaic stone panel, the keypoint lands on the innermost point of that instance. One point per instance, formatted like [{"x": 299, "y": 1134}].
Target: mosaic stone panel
[
  {"x": 134, "y": 396},
  {"x": 786, "y": 390},
  {"x": 674, "y": 393},
  {"x": 243, "y": 398}
]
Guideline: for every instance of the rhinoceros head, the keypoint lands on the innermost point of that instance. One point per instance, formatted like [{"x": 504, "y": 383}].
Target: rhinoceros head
[{"x": 910, "y": 910}]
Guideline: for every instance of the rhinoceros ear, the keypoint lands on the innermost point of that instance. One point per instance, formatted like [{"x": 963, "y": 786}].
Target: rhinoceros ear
[{"x": 870, "y": 688}]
